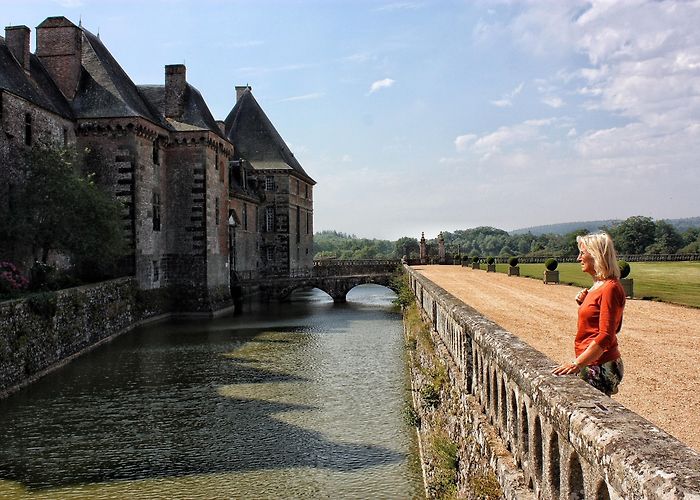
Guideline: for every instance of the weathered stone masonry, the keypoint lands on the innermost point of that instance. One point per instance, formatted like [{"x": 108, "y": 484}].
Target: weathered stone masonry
[
  {"x": 562, "y": 438},
  {"x": 44, "y": 332}
]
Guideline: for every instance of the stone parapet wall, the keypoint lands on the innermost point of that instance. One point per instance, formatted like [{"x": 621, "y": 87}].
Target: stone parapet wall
[
  {"x": 42, "y": 332},
  {"x": 568, "y": 439}
]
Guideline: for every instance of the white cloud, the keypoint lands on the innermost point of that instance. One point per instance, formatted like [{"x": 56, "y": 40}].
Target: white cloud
[
  {"x": 399, "y": 6},
  {"x": 305, "y": 97},
  {"x": 507, "y": 99},
  {"x": 381, "y": 84},
  {"x": 553, "y": 101},
  {"x": 463, "y": 141}
]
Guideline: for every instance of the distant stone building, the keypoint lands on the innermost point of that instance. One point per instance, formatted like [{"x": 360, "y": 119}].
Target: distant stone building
[{"x": 203, "y": 200}]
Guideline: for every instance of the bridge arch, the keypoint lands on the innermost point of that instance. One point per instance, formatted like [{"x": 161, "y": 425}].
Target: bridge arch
[{"x": 337, "y": 288}]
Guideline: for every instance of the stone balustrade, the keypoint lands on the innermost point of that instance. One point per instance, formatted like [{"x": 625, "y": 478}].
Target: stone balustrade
[{"x": 566, "y": 439}]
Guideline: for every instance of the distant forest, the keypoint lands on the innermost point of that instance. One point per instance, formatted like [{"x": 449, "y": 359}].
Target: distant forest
[{"x": 635, "y": 235}]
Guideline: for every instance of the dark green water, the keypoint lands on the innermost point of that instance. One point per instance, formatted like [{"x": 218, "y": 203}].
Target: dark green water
[{"x": 301, "y": 400}]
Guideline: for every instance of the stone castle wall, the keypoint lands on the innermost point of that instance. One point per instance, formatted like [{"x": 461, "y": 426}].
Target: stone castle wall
[
  {"x": 560, "y": 437},
  {"x": 45, "y": 331}
]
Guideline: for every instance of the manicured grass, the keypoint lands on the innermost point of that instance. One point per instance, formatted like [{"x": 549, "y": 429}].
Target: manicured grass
[{"x": 676, "y": 282}]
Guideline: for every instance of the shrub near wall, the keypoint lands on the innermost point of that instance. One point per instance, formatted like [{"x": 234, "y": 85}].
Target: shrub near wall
[{"x": 45, "y": 330}]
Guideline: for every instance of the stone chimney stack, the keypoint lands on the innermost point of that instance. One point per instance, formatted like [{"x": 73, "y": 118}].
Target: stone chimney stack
[
  {"x": 240, "y": 90},
  {"x": 17, "y": 40},
  {"x": 59, "y": 46},
  {"x": 175, "y": 86}
]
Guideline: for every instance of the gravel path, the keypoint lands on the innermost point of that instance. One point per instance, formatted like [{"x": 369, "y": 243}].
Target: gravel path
[{"x": 660, "y": 343}]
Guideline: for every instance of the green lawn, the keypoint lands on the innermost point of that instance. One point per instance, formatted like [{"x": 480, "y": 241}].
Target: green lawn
[{"x": 676, "y": 282}]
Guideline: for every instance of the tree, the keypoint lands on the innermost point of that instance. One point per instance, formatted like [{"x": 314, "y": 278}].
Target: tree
[
  {"x": 406, "y": 246},
  {"x": 667, "y": 239},
  {"x": 570, "y": 243},
  {"x": 56, "y": 208},
  {"x": 634, "y": 235}
]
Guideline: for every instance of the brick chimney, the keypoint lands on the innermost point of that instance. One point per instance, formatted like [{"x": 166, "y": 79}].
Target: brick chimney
[
  {"x": 17, "y": 40},
  {"x": 242, "y": 89},
  {"x": 59, "y": 45},
  {"x": 175, "y": 85}
]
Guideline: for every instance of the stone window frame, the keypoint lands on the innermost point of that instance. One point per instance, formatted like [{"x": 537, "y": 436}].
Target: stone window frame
[
  {"x": 156, "y": 153},
  {"x": 156, "y": 271},
  {"x": 155, "y": 201},
  {"x": 269, "y": 183},
  {"x": 28, "y": 129},
  {"x": 270, "y": 254},
  {"x": 269, "y": 219}
]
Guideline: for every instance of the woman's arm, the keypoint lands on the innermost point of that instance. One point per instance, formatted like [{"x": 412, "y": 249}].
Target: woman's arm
[{"x": 592, "y": 353}]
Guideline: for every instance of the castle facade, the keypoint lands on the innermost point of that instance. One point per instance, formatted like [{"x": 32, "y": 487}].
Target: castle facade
[{"x": 204, "y": 201}]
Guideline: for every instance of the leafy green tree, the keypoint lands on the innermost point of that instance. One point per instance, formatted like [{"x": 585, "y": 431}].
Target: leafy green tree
[
  {"x": 56, "y": 208},
  {"x": 570, "y": 244},
  {"x": 667, "y": 239},
  {"x": 407, "y": 246},
  {"x": 634, "y": 235}
]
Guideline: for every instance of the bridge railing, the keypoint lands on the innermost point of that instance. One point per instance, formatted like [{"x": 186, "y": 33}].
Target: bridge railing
[
  {"x": 325, "y": 268},
  {"x": 675, "y": 257},
  {"x": 568, "y": 439}
]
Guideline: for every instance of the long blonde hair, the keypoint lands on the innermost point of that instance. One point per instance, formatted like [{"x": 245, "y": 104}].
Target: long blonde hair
[{"x": 602, "y": 249}]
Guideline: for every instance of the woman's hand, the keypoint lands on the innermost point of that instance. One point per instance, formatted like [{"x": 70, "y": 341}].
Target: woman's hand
[{"x": 566, "y": 369}]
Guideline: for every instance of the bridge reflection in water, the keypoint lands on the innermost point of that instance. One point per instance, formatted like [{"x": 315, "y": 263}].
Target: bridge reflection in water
[{"x": 299, "y": 400}]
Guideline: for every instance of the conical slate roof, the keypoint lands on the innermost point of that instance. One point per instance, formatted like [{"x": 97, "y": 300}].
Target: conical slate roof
[{"x": 257, "y": 140}]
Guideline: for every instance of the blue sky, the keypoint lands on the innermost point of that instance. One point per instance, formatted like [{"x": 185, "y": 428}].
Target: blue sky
[{"x": 441, "y": 115}]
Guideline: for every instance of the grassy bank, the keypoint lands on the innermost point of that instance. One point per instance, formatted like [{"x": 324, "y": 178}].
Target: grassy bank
[{"x": 675, "y": 282}]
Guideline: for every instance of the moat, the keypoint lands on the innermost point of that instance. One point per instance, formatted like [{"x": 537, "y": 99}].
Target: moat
[{"x": 303, "y": 399}]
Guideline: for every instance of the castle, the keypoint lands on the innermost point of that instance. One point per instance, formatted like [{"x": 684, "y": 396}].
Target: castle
[{"x": 204, "y": 200}]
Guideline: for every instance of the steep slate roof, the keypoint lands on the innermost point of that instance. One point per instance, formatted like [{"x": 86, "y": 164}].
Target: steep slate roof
[
  {"x": 37, "y": 87},
  {"x": 257, "y": 140},
  {"x": 105, "y": 90},
  {"x": 196, "y": 115}
]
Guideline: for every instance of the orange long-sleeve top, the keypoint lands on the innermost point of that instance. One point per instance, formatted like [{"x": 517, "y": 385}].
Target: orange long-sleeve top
[{"x": 600, "y": 319}]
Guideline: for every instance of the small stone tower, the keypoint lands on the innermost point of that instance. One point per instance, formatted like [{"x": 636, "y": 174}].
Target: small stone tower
[{"x": 441, "y": 247}]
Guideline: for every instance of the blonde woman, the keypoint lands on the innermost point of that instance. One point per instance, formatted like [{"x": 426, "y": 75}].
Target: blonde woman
[{"x": 598, "y": 360}]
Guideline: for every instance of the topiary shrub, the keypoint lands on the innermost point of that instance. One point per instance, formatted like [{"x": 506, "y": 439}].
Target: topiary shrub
[
  {"x": 475, "y": 259},
  {"x": 513, "y": 261},
  {"x": 465, "y": 258},
  {"x": 551, "y": 264},
  {"x": 490, "y": 260},
  {"x": 624, "y": 268}
]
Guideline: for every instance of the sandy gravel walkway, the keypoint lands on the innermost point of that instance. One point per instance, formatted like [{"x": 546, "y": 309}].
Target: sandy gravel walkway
[{"x": 660, "y": 343}]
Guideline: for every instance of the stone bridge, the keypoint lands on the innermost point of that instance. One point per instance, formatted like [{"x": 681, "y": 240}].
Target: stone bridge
[{"x": 335, "y": 277}]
